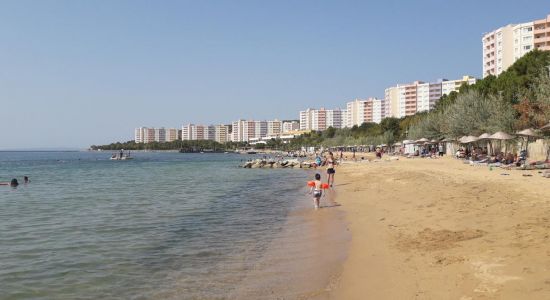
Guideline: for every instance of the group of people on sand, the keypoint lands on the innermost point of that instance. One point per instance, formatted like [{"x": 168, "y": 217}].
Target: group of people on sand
[
  {"x": 318, "y": 186},
  {"x": 481, "y": 156},
  {"x": 14, "y": 182}
]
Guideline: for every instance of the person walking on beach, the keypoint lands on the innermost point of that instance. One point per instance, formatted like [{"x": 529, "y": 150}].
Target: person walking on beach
[
  {"x": 330, "y": 169},
  {"x": 317, "y": 191}
]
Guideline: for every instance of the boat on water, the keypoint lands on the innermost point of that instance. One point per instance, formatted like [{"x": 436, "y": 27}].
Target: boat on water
[{"x": 121, "y": 155}]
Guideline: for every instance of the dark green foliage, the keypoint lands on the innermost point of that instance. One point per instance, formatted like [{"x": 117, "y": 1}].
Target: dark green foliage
[{"x": 187, "y": 146}]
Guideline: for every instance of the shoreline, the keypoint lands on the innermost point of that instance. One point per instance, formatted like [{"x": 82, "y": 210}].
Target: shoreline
[
  {"x": 304, "y": 260},
  {"x": 440, "y": 229}
]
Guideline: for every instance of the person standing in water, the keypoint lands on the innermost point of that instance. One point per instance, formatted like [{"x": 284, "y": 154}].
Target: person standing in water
[
  {"x": 330, "y": 169},
  {"x": 317, "y": 191}
]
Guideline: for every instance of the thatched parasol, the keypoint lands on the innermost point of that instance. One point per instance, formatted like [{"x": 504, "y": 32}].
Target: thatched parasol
[
  {"x": 422, "y": 140},
  {"x": 484, "y": 136},
  {"x": 546, "y": 127},
  {"x": 527, "y": 132},
  {"x": 501, "y": 136}
]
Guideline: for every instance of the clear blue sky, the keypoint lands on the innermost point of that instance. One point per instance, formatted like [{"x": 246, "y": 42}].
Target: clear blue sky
[{"x": 76, "y": 73}]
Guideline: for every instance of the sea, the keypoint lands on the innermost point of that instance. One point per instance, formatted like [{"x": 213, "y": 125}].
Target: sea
[{"x": 163, "y": 226}]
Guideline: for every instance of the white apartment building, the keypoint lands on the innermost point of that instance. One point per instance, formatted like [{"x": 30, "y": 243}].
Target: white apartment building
[
  {"x": 139, "y": 134},
  {"x": 423, "y": 97},
  {"x": 260, "y": 130},
  {"x": 172, "y": 134},
  {"x": 160, "y": 135},
  {"x": 289, "y": 126},
  {"x": 306, "y": 119},
  {"x": 321, "y": 119},
  {"x": 362, "y": 111},
  {"x": 192, "y": 132},
  {"x": 391, "y": 102},
  {"x": 355, "y": 112},
  {"x": 221, "y": 134},
  {"x": 238, "y": 131},
  {"x": 505, "y": 45},
  {"x": 244, "y": 131},
  {"x": 448, "y": 86},
  {"x": 149, "y": 135},
  {"x": 377, "y": 110},
  {"x": 524, "y": 39},
  {"x": 408, "y": 99},
  {"x": 334, "y": 118},
  {"x": 274, "y": 128}
]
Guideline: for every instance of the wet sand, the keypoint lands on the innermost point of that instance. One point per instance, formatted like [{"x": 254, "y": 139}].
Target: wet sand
[
  {"x": 440, "y": 229},
  {"x": 305, "y": 258}
]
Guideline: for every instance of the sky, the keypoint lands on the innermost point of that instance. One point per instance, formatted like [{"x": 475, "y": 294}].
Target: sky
[{"x": 77, "y": 73}]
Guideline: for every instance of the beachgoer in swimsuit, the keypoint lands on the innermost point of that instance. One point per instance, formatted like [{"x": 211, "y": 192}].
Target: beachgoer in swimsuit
[
  {"x": 330, "y": 169},
  {"x": 316, "y": 191}
]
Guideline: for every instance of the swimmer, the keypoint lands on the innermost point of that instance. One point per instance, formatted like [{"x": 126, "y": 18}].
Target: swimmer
[
  {"x": 316, "y": 190},
  {"x": 12, "y": 183},
  {"x": 26, "y": 179}
]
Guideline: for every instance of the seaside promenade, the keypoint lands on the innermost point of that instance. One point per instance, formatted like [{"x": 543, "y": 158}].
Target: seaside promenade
[{"x": 440, "y": 229}]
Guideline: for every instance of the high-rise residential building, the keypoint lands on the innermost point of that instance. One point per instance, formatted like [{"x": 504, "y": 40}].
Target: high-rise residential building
[
  {"x": 321, "y": 119},
  {"x": 244, "y": 131},
  {"x": 448, "y": 86},
  {"x": 503, "y": 46},
  {"x": 148, "y": 135},
  {"x": 260, "y": 130},
  {"x": 238, "y": 131},
  {"x": 221, "y": 133},
  {"x": 498, "y": 50},
  {"x": 172, "y": 134},
  {"x": 377, "y": 110},
  {"x": 334, "y": 118},
  {"x": 542, "y": 34},
  {"x": 407, "y": 99},
  {"x": 362, "y": 111},
  {"x": 391, "y": 102},
  {"x": 274, "y": 128},
  {"x": 160, "y": 135},
  {"x": 139, "y": 134},
  {"x": 524, "y": 39},
  {"x": 289, "y": 126},
  {"x": 306, "y": 119}
]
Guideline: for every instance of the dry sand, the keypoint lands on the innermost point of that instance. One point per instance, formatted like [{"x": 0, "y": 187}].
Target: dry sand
[{"x": 440, "y": 229}]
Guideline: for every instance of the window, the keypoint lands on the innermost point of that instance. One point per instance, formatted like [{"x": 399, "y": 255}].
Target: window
[{"x": 528, "y": 47}]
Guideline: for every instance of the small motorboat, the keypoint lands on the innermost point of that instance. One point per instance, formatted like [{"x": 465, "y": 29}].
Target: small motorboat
[{"x": 121, "y": 156}]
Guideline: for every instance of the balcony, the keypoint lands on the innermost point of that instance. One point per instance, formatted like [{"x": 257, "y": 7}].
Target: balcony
[{"x": 542, "y": 40}]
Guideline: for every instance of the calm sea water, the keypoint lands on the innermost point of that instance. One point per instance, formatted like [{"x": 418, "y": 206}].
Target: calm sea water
[{"x": 164, "y": 225}]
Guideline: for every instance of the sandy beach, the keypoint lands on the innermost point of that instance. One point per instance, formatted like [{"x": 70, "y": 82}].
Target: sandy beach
[{"x": 441, "y": 229}]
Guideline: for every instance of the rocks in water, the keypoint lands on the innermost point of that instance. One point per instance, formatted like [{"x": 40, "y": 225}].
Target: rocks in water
[{"x": 269, "y": 163}]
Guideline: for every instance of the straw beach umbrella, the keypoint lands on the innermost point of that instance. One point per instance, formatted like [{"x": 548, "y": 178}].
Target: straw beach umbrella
[
  {"x": 527, "y": 134},
  {"x": 546, "y": 127},
  {"x": 502, "y": 136},
  {"x": 486, "y": 136},
  {"x": 422, "y": 140}
]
